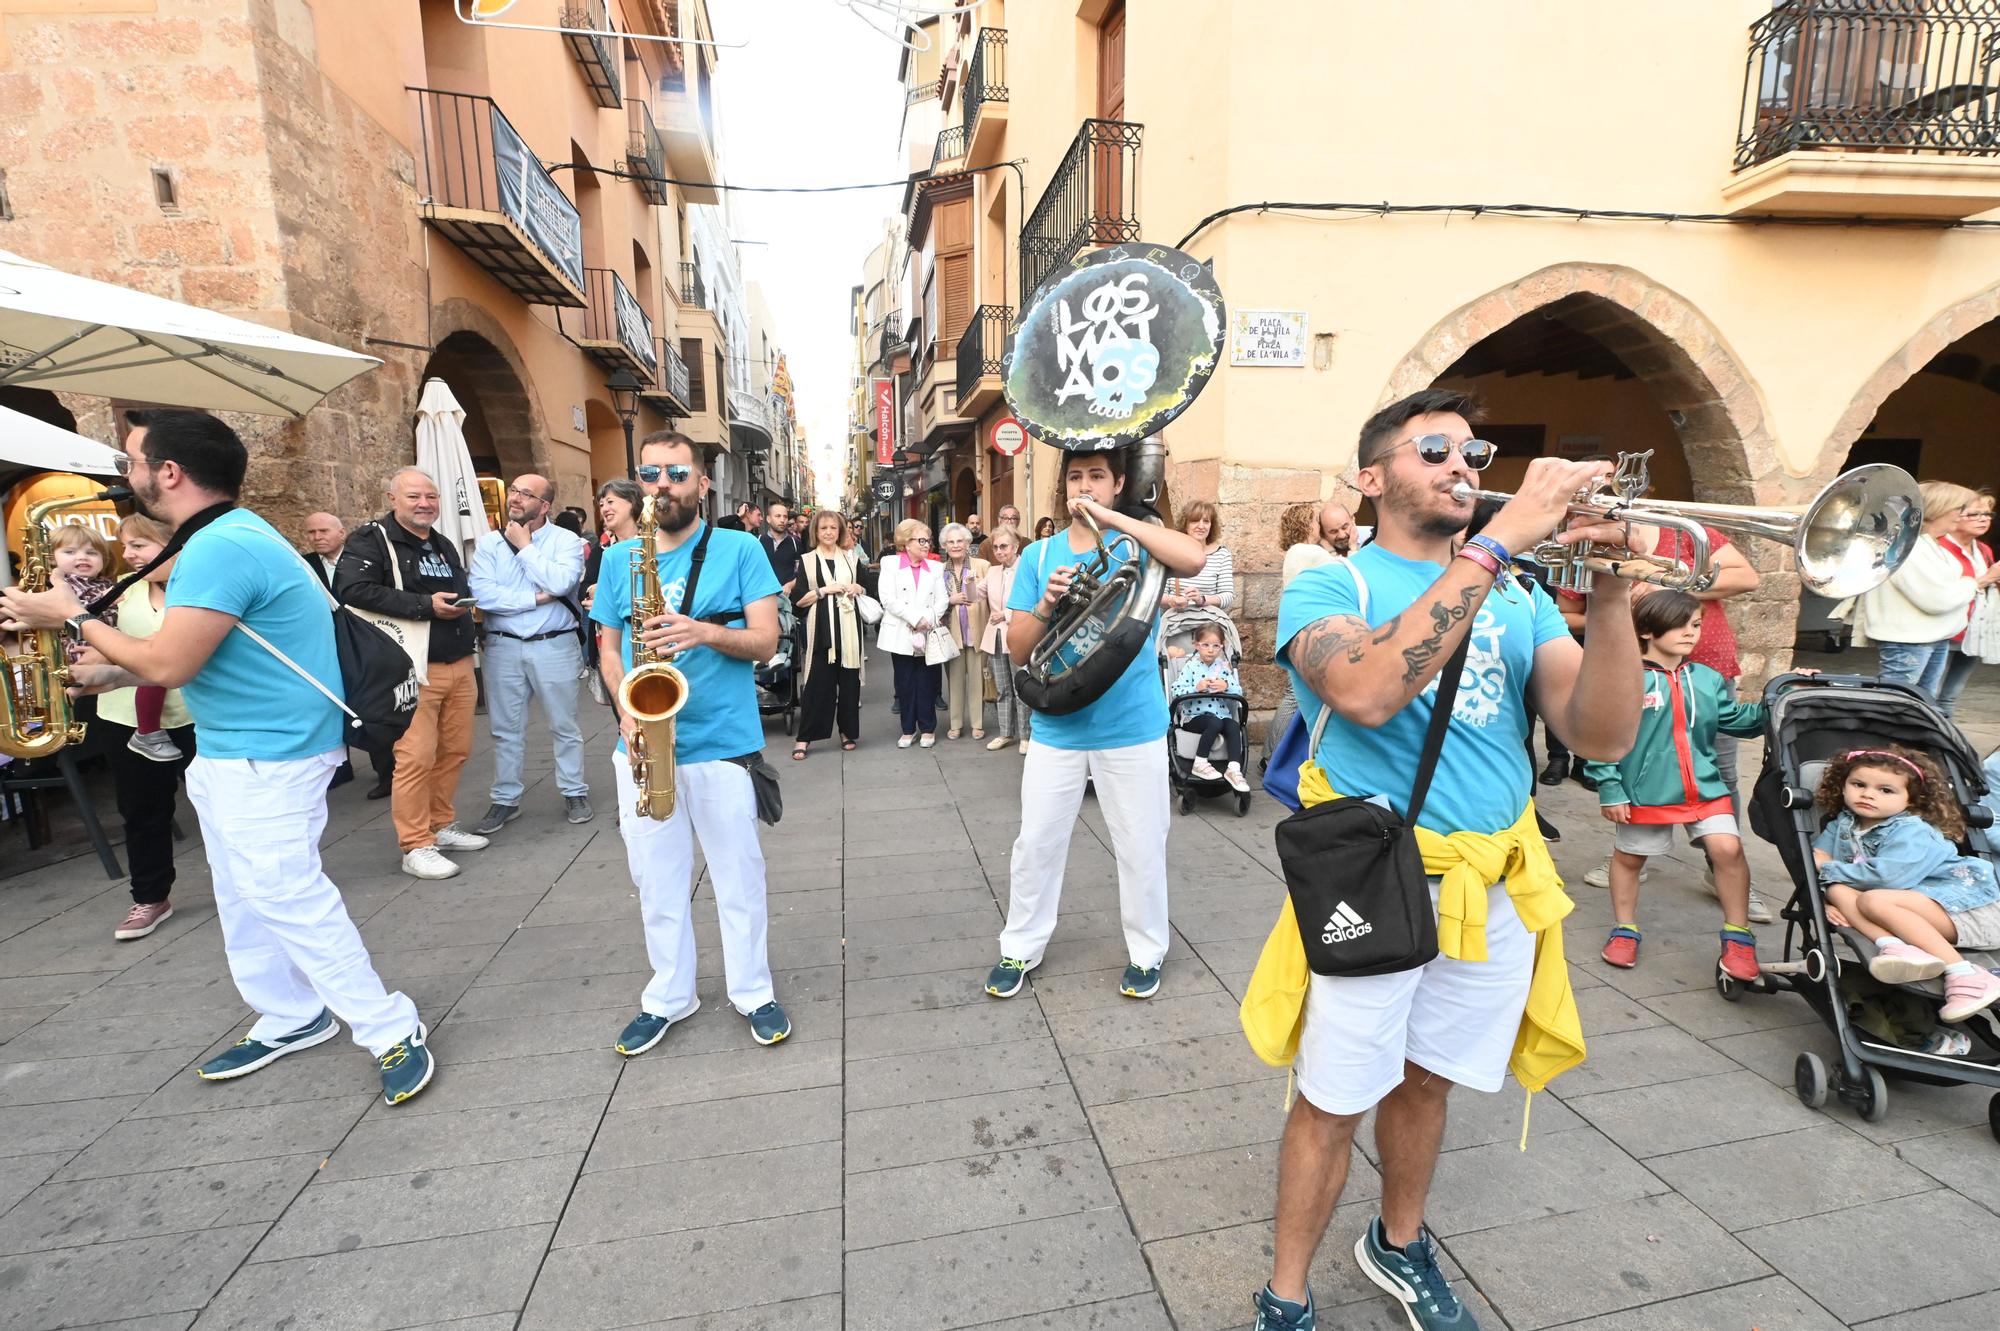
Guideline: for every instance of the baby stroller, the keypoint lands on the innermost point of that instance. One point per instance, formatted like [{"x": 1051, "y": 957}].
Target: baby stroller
[
  {"x": 778, "y": 677},
  {"x": 1182, "y": 744},
  {"x": 1812, "y": 719}
]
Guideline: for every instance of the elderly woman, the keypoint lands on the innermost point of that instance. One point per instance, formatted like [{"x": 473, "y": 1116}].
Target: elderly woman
[
  {"x": 1011, "y": 713},
  {"x": 914, "y": 602},
  {"x": 829, "y": 582},
  {"x": 1915, "y": 615},
  {"x": 617, "y": 520},
  {"x": 1967, "y": 545},
  {"x": 965, "y": 674}
]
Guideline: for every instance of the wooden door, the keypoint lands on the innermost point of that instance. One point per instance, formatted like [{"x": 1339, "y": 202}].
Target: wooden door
[{"x": 1107, "y": 183}]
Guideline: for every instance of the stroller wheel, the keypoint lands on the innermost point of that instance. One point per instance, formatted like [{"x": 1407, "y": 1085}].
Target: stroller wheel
[
  {"x": 1730, "y": 988},
  {"x": 1243, "y": 804},
  {"x": 1809, "y": 1080},
  {"x": 1187, "y": 804},
  {"x": 1873, "y": 1102},
  {"x": 1993, "y": 1116}
]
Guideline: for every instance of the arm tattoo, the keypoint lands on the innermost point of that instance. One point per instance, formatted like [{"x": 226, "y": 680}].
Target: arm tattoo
[
  {"x": 1418, "y": 660},
  {"x": 1323, "y": 641}
]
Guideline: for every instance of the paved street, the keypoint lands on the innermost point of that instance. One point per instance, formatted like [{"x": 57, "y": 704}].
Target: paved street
[{"x": 917, "y": 1156}]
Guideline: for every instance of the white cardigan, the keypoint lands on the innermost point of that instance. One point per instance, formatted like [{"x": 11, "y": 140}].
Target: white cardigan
[
  {"x": 1926, "y": 600},
  {"x": 907, "y": 599}
]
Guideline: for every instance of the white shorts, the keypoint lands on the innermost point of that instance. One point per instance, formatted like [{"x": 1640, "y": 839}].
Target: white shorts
[
  {"x": 1458, "y": 1019},
  {"x": 1651, "y": 839}
]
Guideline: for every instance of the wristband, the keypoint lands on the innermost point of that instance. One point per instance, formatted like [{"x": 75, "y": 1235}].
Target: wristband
[
  {"x": 1491, "y": 547},
  {"x": 1481, "y": 556}
]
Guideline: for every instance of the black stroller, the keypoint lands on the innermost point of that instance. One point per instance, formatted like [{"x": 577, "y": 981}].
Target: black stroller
[
  {"x": 1182, "y": 743},
  {"x": 1812, "y": 719},
  {"x": 778, "y": 677}
]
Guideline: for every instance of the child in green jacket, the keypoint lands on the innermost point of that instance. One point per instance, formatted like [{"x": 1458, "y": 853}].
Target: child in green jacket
[{"x": 1669, "y": 780}]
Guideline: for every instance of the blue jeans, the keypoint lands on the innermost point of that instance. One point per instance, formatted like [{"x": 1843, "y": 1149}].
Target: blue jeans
[
  {"x": 1957, "y": 674},
  {"x": 1919, "y": 663},
  {"x": 549, "y": 670}
]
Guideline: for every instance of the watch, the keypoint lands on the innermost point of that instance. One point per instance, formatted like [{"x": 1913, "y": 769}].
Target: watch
[{"x": 75, "y": 624}]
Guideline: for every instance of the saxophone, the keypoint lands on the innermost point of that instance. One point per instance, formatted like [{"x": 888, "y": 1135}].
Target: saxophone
[
  {"x": 36, "y": 716},
  {"x": 652, "y": 690}
]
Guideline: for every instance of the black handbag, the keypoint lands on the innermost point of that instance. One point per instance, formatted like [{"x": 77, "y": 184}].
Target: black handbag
[{"x": 1352, "y": 867}]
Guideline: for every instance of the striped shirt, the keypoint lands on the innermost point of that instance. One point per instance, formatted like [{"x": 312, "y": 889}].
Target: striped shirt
[{"x": 1216, "y": 581}]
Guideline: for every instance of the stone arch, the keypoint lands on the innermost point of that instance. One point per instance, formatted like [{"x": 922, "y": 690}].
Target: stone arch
[
  {"x": 1938, "y": 332},
  {"x": 503, "y": 414}
]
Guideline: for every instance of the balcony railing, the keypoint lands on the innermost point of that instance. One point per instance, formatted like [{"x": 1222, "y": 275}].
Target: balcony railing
[
  {"x": 1091, "y": 199},
  {"x": 923, "y": 92},
  {"x": 986, "y": 76},
  {"x": 950, "y": 147},
  {"x": 596, "y": 55},
  {"x": 646, "y": 153},
  {"x": 671, "y": 385},
  {"x": 1915, "y": 75},
  {"x": 693, "y": 294},
  {"x": 616, "y": 330},
  {"x": 892, "y": 338},
  {"x": 981, "y": 346},
  {"x": 486, "y": 193}
]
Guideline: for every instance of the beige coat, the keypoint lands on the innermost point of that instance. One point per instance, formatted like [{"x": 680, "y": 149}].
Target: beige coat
[
  {"x": 976, "y": 570},
  {"x": 999, "y": 586}
]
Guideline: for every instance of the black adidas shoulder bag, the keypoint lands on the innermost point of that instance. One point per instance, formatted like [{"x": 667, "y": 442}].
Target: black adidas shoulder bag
[{"x": 1353, "y": 870}]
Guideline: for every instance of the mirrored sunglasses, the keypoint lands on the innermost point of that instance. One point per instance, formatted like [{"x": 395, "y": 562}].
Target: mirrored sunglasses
[
  {"x": 1435, "y": 449},
  {"x": 677, "y": 472}
]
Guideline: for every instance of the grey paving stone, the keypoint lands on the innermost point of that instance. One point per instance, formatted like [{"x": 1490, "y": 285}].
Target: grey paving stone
[
  {"x": 44, "y": 990},
  {"x": 34, "y": 1130},
  {"x": 1192, "y": 1121},
  {"x": 1916, "y": 1110},
  {"x": 1166, "y": 1068},
  {"x": 929, "y": 901},
  {"x": 134, "y": 1032},
  {"x": 334, "y": 1071},
  {"x": 1065, "y": 993},
  {"x": 1014, "y": 1270},
  {"x": 1770, "y": 1304},
  {"x": 924, "y": 992},
  {"x": 1186, "y": 1194},
  {"x": 1701, "y": 1111},
  {"x": 1706, "y": 1015},
  {"x": 920, "y": 931},
  {"x": 489, "y": 1002},
  {"x": 695, "y": 1273},
  {"x": 449, "y": 1278},
  {"x": 1767, "y": 1179},
  {"x": 91, "y": 1077},
  {"x": 613, "y": 1204},
  {"x": 255, "y": 1133},
  {"x": 966, "y": 1126},
  {"x": 1605, "y": 1259},
  {"x": 976, "y": 1192},
  {"x": 1659, "y": 972},
  {"x": 169, "y": 1273},
  {"x": 941, "y": 1074},
  {"x": 459, "y": 1041},
  {"x": 22, "y": 1174},
  {"x": 14, "y": 1020},
  {"x": 393, "y": 1145},
  {"x": 695, "y": 1131},
  {"x": 398, "y": 964},
  {"x": 1606, "y": 1011},
  {"x": 169, "y": 1201},
  {"x": 339, "y": 1216},
  {"x": 1979, "y": 1313},
  {"x": 808, "y": 1314},
  {"x": 654, "y": 1083},
  {"x": 1137, "y": 1312},
  {"x": 1949, "y": 1239},
  {"x": 1966, "y": 1161},
  {"x": 873, "y": 963},
  {"x": 1641, "y": 1058},
  {"x": 1179, "y": 1016},
  {"x": 487, "y": 1085},
  {"x": 1771, "y": 1054},
  {"x": 947, "y": 1028},
  {"x": 1486, "y": 1187}
]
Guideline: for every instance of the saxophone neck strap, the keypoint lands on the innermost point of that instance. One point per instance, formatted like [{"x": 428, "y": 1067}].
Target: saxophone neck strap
[{"x": 173, "y": 546}]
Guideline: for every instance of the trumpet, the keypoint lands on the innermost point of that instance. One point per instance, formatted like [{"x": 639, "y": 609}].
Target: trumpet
[{"x": 1848, "y": 540}]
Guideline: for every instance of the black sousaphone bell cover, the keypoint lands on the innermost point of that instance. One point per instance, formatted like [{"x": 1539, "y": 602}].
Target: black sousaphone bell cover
[{"x": 1115, "y": 348}]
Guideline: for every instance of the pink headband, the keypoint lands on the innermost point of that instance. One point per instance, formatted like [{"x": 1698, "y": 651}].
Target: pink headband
[{"x": 1852, "y": 754}]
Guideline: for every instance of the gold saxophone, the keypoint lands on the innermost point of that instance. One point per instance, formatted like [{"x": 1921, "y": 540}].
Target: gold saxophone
[
  {"x": 36, "y": 717},
  {"x": 652, "y": 690}
]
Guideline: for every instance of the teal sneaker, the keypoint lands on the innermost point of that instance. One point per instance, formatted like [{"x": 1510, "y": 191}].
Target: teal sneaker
[
  {"x": 1005, "y": 980},
  {"x": 769, "y": 1024},
  {"x": 1139, "y": 982},
  {"x": 247, "y": 1055},
  {"x": 1276, "y": 1314},
  {"x": 1412, "y": 1277},
  {"x": 407, "y": 1066}
]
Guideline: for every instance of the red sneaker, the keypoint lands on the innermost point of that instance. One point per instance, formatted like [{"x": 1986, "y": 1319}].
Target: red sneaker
[
  {"x": 1739, "y": 958},
  {"x": 1622, "y": 948},
  {"x": 142, "y": 920}
]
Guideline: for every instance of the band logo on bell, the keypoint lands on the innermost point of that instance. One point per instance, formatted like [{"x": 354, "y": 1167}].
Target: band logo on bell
[{"x": 1110, "y": 341}]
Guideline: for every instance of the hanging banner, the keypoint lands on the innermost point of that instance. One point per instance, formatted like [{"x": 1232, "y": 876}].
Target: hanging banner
[
  {"x": 529, "y": 195},
  {"x": 635, "y": 330},
  {"x": 884, "y": 397}
]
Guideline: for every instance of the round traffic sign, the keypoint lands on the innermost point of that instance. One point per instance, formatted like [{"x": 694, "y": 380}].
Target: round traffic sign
[{"x": 1009, "y": 436}]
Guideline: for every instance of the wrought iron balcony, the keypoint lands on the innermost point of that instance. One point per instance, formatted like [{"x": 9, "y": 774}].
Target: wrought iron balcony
[
  {"x": 892, "y": 338},
  {"x": 484, "y": 191},
  {"x": 597, "y": 56},
  {"x": 693, "y": 293},
  {"x": 980, "y": 348},
  {"x": 923, "y": 92},
  {"x": 950, "y": 150},
  {"x": 671, "y": 388},
  {"x": 646, "y": 153},
  {"x": 617, "y": 333},
  {"x": 1915, "y": 75},
  {"x": 1091, "y": 199},
  {"x": 984, "y": 96}
]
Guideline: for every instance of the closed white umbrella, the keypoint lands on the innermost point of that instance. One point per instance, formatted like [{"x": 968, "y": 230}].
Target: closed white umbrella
[
  {"x": 39, "y": 446},
  {"x": 76, "y": 335},
  {"x": 441, "y": 452}
]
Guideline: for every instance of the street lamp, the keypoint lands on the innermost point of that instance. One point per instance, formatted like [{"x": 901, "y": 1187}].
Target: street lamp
[{"x": 625, "y": 386}]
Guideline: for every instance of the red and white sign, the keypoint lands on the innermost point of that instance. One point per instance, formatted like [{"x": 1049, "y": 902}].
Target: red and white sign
[
  {"x": 1009, "y": 436},
  {"x": 884, "y": 391}
]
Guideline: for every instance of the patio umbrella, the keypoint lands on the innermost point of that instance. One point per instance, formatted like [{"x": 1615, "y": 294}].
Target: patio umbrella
[
  {"x": 441, "y": 452},
  {"x": 39, "y": 446},
  {"x": 76, "y": 335}
]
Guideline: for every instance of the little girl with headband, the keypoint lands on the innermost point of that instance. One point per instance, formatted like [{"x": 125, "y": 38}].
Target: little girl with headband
[{"x": 1891, "y": 869}]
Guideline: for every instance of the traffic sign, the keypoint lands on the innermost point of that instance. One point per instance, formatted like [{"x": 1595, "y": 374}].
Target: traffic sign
[{"x": 1009, "y": 436}]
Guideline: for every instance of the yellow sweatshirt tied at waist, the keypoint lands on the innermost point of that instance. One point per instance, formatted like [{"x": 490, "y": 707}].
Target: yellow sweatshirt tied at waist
[{"x": 1550, "y": 1040}]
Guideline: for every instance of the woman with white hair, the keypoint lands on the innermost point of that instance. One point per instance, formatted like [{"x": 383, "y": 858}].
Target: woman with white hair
[
  {"x": 965, "y": 617},
  {"x": 1915, "y": 615},
  {"x": 913, "y": 604}
]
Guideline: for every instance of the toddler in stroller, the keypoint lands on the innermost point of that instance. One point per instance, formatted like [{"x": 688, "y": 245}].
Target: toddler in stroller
[{"x": 1206, "y": 704}]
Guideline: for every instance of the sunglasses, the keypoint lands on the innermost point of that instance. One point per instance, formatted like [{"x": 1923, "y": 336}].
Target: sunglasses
[
  {"x": 1435, "y": 449},
  {"x": 122, "y": 463},
  {"x": 677, "y": 472}
]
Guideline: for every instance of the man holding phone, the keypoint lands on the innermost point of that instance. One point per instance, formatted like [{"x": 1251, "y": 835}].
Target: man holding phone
[{"x": 425, "y": 584}]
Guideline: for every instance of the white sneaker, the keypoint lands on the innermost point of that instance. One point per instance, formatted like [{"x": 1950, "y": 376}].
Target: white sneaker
[
  {"x": 1234, "y": 776},
  {"x": 427, "y": 862},
  {"x": 1205, "y": 769},
  {"x": 999, "y": 742},
  {"x": 1601, "y": 875},
  {"x": 1760, "y": 909},
  {"x": 450, "y": 838},
  {"x": 903, "y": 741},
  {"x": 1024, "y": 748}
]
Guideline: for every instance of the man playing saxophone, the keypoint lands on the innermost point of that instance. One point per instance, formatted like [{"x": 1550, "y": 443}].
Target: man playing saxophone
[{"x": 712, "y": 638}]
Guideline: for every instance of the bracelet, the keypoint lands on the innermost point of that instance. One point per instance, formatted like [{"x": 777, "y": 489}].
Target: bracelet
[
  {"x": 1491, "y": 547},
  {"x": 1481, "y": 556}
]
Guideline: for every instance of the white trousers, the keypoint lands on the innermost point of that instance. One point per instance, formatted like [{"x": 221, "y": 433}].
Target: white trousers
[
  {"x": 713, "y": 801},
  {"x": 292, "y": 947},
  {"x": 1132, "y": 791}
]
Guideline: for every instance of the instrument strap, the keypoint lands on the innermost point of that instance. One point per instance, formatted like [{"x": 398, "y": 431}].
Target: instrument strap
[{"x": 173, "y": 546}]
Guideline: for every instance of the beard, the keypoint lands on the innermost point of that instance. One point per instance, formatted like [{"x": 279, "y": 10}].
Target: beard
[
  {"x": 1425, "y": 510},
  {"x": 1342, "y": 545},
  {"x": 675, "y": 515},
  {"x": 145, "y": 501}
]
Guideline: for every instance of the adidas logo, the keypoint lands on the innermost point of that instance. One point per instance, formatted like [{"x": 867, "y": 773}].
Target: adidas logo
[{"x": 1344, "y": 926}]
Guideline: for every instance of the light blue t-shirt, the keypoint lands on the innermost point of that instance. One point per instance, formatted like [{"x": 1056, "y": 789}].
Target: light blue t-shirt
[
  {"x": 1483, "y": 778},
  {"x": 1134, "y": 709},
  {"x": 721, "y": 718},
  {"x": 246, "y": 702}
]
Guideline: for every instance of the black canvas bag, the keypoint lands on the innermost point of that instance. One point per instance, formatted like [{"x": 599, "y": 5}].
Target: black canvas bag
[{"x": 1354, "y": 873}]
